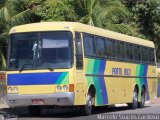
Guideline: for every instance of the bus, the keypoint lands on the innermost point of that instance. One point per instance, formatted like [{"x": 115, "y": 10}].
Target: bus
[{"x": 69, "y": 64}]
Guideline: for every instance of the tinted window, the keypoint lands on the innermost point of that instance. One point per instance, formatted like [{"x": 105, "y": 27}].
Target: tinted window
[
  {"x": 137, "y": 55},
  {"x": 130, "y": 51},
  {"x": 119, "y": 53},
  {"x": 114, "y": 49},
  {"x": 110, "y": 48},
  {"x": 78, "y": 43},
  {"x": 79, "y": 53},
  {"x": 100, "y": 47},
  {"x": 122, "y": 49},
  {"x": 151, "y": 55},
  {"x": 144, "y": 54},
  {"x": 89, "y": 45},
  {"x": 127, "y": 55}
]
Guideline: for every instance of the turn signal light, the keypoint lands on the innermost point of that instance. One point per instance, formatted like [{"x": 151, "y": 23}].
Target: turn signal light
[{"x": 71, "y": 87}]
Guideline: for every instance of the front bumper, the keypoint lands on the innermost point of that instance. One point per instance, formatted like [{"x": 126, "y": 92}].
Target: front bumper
[{"x": 59, "y": 99}]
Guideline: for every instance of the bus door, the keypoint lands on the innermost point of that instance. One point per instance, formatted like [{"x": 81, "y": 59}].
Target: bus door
[{"x": 80, "y": 91}]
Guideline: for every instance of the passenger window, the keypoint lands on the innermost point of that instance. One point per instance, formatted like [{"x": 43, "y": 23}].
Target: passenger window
[
  {"x": 151, "y": 55},
  {"x": 110, "y": 48},
  {"x": 130, "y": 51},
  {"x": 139, "y": 53},
  {"x": 119, "y": 52},
  {"x": 144, "y": 54},
  {"x": 89, "y": 45},
  {"x": 122, "y": 49},
  {"x": 137, "y": 56},
  {"x": 100, "y": 51},
  {"x": 113, "y": 49},
  {"x": 127, "y": 50}
]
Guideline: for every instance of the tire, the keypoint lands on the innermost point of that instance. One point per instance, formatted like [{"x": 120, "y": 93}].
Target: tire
[
  {"x": 143, "y": 98},
  {"x": 34, "y": 110},
  {"x": 87, "y": 109},
  {"x": 134, "y": 103}
]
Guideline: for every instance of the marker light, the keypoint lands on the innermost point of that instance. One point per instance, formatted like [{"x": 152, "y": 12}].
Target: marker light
[
  {"x": 65, "y": 87},
  {"x": 59, "y": 88},
  {"x": 15, "y": 89},
  {"x": 9, "y": 89}
]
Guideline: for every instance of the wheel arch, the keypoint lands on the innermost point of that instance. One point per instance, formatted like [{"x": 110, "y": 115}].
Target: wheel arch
[
  {"x": 137, "y": 87},
  {"x": 92, "y": 89}
]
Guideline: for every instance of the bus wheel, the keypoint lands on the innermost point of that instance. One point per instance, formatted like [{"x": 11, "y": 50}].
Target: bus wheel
[
  {"x": 87, "y": 109},
  {"x": 143, "y": 97},
  {"x": 134, "y": 103},
  {"x": 34, "y": 110}
]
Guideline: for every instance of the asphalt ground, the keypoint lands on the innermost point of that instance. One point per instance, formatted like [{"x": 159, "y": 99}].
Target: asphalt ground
[{"x": 121, "y": 111}]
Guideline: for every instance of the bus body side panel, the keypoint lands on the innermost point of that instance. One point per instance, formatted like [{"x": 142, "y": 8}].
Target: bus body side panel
[
  {"x": 147, "y": 77},
  {"x": 152, "y": 82},
  {"x": 115, "y": 81}
]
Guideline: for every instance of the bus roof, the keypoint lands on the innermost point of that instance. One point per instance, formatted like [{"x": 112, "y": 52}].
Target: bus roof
[{"x": 75, "y": 26}]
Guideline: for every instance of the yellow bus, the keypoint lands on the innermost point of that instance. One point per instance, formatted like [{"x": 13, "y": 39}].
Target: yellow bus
[{"x": 72, "y": 64}]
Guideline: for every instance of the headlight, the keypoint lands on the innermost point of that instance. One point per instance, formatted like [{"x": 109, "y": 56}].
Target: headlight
[
  {"x": 15, "y": 89},
  {"x": 59, "y": 88},
  {"x": 9, "y": 89},
  {"x": 65, "y": 87}
]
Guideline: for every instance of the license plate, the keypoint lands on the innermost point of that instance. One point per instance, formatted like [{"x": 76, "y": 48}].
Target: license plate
[{"x": 37, "y": 102}]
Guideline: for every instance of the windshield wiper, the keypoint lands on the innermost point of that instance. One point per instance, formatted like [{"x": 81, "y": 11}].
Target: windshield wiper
[
  {"x": 49, "y": 65},
  {"x": 22, "y": 67}
]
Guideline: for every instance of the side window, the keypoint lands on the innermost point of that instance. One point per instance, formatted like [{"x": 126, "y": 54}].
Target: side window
[
  {"x": 136, "y": 53},
  {"x": 131, "y": 52},
  {"x": 139, "y": 53},
  {"x": 122, "y": 49},
  {"x": 79, "y": 52},
  {"x": 127, "y": 55},
  {"x": 119, "y": 52},
  {"x": 113, "y": 48},
  {"x": 89, "y": 45},
  {"x": 144, "y": 54},
  {"x": 109, "y": 47},
  {"x": 78, "y": 43},
  {"x": 151, "y": 55},
  {"x": 100, "y": 47}
]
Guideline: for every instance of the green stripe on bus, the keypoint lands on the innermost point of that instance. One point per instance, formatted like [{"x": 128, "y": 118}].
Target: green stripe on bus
[
  {"x": 96, "y": 66},
  {"x": 63, "y": 79},
  {"x": 140, "y": 81},
  {"x": 66, "y": 79},
  {"x": 97, "y": 83},
  {"x": 93, "y": 67},
  {"x": 90, "y": 66}
]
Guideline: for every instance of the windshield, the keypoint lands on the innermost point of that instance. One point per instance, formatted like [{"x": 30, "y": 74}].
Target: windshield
[{"x": 40, "y": 50}]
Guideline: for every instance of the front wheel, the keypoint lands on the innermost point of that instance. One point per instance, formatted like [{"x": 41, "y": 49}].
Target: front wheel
[
  {"x": 87, "y": 109},
  {"x": 134, "y": 103}
]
